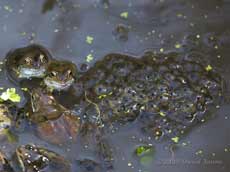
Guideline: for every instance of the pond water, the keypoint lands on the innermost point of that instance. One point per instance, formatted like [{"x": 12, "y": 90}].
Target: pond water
[{"x": 130, "y": 27}]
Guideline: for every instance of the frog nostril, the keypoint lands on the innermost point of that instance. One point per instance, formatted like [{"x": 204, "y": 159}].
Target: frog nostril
[
  {"x": 7, "y": 126},
  {"x": 62, "y": 78}
]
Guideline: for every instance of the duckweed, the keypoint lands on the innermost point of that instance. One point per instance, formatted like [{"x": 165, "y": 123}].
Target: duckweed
[{"x": 10, "y": 94}]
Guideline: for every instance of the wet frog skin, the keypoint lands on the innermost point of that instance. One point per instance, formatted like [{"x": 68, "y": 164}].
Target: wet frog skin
[
  {"x": 60, "y": 75},
  {"x": 54, "y": 123},
  {"x": 4, "y": 163},
  {"x": 8, "y": 115},
  {"x": 5, "y": 121},
  {"x": 32, "y": 158},
  {"x": 27, "y": 62}
]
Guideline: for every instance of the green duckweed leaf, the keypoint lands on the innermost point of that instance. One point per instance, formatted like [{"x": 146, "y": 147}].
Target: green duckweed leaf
[{"x": 10, "y": 94}]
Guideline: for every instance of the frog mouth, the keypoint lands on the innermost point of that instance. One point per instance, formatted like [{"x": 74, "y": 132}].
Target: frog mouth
[
  {"x": 31, "y": 73},
  {"x": 58, "y": 85}
]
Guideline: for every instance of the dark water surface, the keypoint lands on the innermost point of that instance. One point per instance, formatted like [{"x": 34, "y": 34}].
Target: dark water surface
[{"x": 158, "y": 25}]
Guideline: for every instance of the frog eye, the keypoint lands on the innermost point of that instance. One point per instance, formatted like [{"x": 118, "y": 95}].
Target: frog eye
[
  {"x": 30, "y": 147},
  {"x": 34, "y": 96},
  {"x": 51, "y": 100},
  {"x": 53, "y": 73},
  {"x": 42, "y": 58},
  {"x": 28, "y": 60},
  {"x": 69, "y": 72}
]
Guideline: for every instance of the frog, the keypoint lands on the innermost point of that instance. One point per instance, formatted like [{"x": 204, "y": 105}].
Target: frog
[
  {"x": 5, "y": 165},
  {"x": 53, "y": 122},
  {"x": 5, "y": 120},
  {"x": 60, "y": 75},
  {"x": 34, "y": 158},
  {"x": 8, "y": 120},
  {"x": 27, "y": 62}
]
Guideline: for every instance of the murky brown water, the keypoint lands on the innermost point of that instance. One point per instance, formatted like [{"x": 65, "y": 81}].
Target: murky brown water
[{"x": 162, "y": 25}]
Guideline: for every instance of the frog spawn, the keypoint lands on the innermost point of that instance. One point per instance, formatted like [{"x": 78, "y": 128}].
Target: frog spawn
[{"x": 176, "y": 91}]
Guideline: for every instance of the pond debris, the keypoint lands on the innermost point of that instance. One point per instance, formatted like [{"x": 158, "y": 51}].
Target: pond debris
[
  {"x": 24, "y": 89},
  {"x": 162, "y": 114},
  {"x": 8, "y": 8},
  {"x": 199, "y": 152},
  {"x": 121, "y": 32},
  {"x": 89, "y": 58},
  {"x": 129, "y": 164},
  {"x": 48, "y": 5},
  {"x": 23, "y": 33},
  {"x": 184, "y": 144},
  {"x": 177, "y": 45},
  {"x": 226, "y": 150},
  {"x": 56, "y": 30},
  {"x": 124, "y": 15},
  {"x": 98, "y": 117},
  {"x": 89, "y": 39},
  {"x": 179, "y": 15},
  {"x": 10, "y": 94}
]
